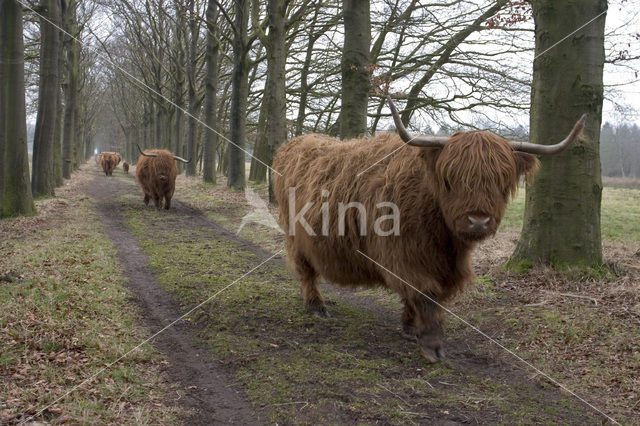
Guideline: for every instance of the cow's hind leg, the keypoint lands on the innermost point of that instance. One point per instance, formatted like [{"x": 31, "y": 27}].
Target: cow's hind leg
[
  {"x": 313, "y": 300},
  {"x": 427, "y": 326},
  {"x": 146, "y": 199}
]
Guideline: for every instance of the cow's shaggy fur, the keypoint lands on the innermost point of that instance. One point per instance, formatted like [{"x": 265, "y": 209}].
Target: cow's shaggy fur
[
  {"x": 157, "y": 177},
  {"x": 109, "y": 161},
  {"x": 125, "y": 167},
  {"x": 435, "y": 189}
]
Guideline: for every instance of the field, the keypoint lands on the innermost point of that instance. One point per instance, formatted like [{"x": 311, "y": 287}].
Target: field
[{"x": 97, "y": 272}]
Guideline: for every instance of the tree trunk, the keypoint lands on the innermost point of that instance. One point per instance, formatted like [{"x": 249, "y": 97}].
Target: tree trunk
[
  {"x": 239, "y": 95},
  {"x": 178, "y": 96},
  {"x": 275, "y": 93},
  {"x": 562, "y": 212},
  {"x": 258, "y": 170},
  {"x": 78, "y": 121},
  {"x": 15, "y": 195},
  {"x": 57, "y": 137},
  {"x": 68, "y": 143},
  {"x": 43, "y": 178},
  {"x": 211, "y": 90},
  {"x": 193, "y": 98},
  {"x": 304, "y": 74},
  {"x": 356, "y": 79}
]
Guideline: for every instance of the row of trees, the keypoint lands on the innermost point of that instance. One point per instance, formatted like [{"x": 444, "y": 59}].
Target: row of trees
[
  {"x": 215, "y": 79},
  {"x": 53, "y": 61},
  {"x": 326, "y": 66},
  {"x": 620, "y": 150}
]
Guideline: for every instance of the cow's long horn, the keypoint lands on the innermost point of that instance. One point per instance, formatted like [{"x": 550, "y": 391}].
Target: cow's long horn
[
  {"x": 175, "y": 157},
  {"x": 422, "y": 141},
  {"x": 146, "y": 155},
  {"x": 534, "y": 148}
]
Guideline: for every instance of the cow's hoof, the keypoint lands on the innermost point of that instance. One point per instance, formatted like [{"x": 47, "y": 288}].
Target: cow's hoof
[
  {"x": 432, "y": 355},
  {"x": 317, "y": 308},
  {"x": 431, "y": 349}
]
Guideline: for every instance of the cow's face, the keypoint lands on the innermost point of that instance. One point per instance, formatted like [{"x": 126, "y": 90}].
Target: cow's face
[{"x": 477, "y": 173}]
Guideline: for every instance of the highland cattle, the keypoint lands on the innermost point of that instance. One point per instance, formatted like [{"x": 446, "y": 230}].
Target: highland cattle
[
  {"x": 450, "y": 191},
  {"x": 156, "y": 172}
]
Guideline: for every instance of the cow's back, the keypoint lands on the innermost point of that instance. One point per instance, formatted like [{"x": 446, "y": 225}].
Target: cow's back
[{"x": 325, "y": 170}]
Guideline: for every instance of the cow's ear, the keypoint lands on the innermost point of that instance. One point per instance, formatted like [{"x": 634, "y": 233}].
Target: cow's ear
[
  {"x": 526, "y": 165},
  {"x": 430, "y": 156}
]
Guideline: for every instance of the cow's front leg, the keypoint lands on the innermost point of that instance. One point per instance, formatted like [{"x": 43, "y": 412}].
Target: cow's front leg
[
  {"x": 427, "y": 323},
  {"x": 408, "y": 331},
  {"x": 157, "y": 201}
]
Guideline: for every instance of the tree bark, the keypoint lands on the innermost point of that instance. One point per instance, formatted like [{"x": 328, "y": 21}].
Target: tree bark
[
  {"x": 43, "y": 182},
  {"x": 356, "y": 73},
  {"x": 258, "y": 170},
  {"x": 78, "y": 121},
  {"x": 211, "y": 90},
  {"x": 57, "y": 136},
  {"x": 193, "y": 98},
  {"x": 70, "y": 92},
  {"x": 562, "y": 212},
  {"x": 275, "y": 92},
  {"x": 178, "y": 95},
  {"x": 239, "y": 95},
  {"x": 15, "y": 195}
]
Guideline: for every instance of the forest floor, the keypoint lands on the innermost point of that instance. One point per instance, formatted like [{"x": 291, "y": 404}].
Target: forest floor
[{"x": 250, "y": 353}]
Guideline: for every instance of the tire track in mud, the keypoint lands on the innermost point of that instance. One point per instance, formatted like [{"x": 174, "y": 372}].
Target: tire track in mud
[{"x": 210, "y": 394}]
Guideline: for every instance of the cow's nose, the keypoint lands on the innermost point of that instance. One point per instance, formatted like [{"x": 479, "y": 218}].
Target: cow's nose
[{"x": 478, "y": 223}]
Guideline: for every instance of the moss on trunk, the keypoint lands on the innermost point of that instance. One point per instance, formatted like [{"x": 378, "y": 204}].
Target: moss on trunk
[{"x": 562, "y": 213}]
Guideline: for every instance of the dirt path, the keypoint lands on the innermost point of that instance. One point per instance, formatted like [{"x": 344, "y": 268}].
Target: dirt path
[
  {"x": 209, "y": 386},
  {"x": 208, "y": 391}
]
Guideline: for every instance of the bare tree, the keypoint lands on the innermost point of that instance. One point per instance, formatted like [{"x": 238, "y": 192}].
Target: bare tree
[
  {"x": 239, "y": 94},
  {"x": 70, "y": 90},
  {"x": 42, "y": 182},
  {"x": 356, "y": 69},
  {"x": 211, "y": 89},
  {"x": 562, "y": 214},
  {"x": 15, "y": 195}
]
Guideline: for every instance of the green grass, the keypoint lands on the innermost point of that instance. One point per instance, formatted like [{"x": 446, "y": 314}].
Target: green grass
[
  {"x": 66, "y": 317},
  {"x": 620, "y": 213},
  {"x": 297, "y": 368},
  {"x": 570, "y": 338}
]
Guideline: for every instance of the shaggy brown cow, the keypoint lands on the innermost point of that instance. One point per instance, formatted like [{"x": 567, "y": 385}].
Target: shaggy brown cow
[
  {"x": 156, "y": 172},
  {"x": 125, "y": 167},
  {"x": 109, "y": 161},
  {"x": 450, "y": 193}
]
